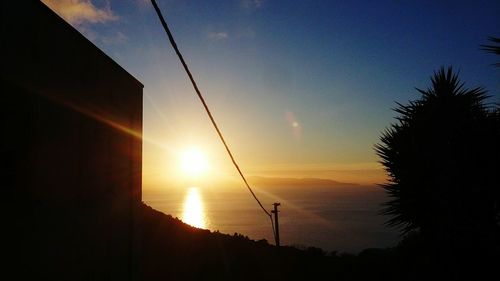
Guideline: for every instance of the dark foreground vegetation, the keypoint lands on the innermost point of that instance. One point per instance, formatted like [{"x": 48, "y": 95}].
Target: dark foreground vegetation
[{"x": 172, "y": 250}]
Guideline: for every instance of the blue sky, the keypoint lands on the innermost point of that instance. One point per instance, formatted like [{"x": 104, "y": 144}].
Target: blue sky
[{"x": 300, "y": 88}]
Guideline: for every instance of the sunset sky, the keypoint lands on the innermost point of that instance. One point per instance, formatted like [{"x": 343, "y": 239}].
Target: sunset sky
[{"x": 299, "y": 88}]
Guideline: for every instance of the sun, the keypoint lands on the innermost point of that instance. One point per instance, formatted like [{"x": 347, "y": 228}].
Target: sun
[{"x": 193, "y": 162}]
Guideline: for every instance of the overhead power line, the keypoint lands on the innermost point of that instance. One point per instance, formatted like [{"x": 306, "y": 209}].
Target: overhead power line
[{"x": 200, "y": 96}]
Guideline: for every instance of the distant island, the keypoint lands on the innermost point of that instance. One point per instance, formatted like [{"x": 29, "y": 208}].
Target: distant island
[{"x": 295, "y": 182}]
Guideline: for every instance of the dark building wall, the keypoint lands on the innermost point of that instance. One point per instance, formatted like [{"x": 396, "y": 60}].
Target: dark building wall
[{"x": 71, "y": 150}]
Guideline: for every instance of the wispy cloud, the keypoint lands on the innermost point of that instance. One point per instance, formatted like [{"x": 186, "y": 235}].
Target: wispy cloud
[
  {"x": 252, "y": 4},
  {"x": 245, "y": 33},
  {"x": 143, "y": 2},
  {"x": 78, "y": 12},
  {"x": 217, "y": 35},
  {"x": 116, "y": 39}
]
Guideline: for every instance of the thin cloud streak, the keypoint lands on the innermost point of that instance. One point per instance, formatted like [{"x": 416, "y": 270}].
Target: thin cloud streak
[
  {"x": 218, "y": 35},
  {"x": 252, "y": 4},
  {"x": 116, "y": 39}
]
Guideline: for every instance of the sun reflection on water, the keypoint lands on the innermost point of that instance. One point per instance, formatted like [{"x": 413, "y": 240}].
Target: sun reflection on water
[{"x": 193, "y": 210}]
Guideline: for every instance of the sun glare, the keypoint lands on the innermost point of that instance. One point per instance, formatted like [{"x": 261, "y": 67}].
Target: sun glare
[{"x": 193, "y": 162}]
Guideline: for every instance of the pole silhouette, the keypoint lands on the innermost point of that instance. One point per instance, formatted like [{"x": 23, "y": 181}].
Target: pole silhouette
[{"x": 275, "y": 212}]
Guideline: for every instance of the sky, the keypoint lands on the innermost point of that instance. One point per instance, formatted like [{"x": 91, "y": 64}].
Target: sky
[{"x": 298, "y": 88}]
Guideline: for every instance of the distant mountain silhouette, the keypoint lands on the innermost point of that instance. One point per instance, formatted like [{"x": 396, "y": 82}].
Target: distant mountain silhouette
[{"x": 294, "y": 182}]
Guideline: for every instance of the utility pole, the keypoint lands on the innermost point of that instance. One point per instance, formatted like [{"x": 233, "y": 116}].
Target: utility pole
[{"x": 276, "y": 224}]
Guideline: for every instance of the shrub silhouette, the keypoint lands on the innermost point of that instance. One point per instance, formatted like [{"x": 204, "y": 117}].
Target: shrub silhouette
[{"x": 442, "y": 158}]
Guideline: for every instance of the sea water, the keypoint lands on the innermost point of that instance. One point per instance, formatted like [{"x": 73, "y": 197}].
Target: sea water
[{"x": 343, "y": 219}]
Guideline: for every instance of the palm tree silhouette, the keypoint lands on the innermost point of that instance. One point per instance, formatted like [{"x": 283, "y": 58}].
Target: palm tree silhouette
[
  {"x": 442, "y": 158},
  {"x": 494, "y": 49}
]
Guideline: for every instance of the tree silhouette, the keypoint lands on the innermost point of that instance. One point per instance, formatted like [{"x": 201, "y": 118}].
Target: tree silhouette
[
  {"x": 494, "y": 49},
  {"x": 442, "y": 157}
]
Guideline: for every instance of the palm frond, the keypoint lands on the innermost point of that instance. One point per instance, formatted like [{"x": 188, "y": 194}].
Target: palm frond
[{"x": 494, "y": 49}]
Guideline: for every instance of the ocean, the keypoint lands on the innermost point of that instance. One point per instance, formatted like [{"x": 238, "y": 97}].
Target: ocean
[{"x": 341, "y": 218}]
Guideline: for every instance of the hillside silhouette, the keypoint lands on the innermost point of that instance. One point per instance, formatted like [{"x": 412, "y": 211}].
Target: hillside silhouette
[{"x": 173, "y": 250}]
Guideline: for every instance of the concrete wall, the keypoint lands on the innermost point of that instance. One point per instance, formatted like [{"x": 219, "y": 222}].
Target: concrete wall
[{"x": 71, "y": 149}]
